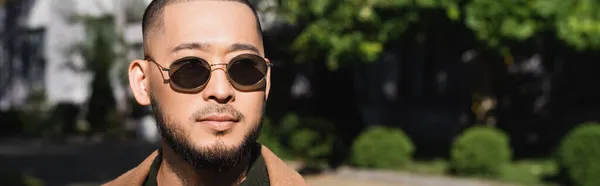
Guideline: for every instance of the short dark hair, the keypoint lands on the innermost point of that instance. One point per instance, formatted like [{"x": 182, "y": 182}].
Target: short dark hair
[{"x": 153, "y": 14}]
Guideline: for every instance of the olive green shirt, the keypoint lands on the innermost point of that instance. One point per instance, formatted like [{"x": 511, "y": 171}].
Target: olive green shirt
[{"x": 257, "y": 174}]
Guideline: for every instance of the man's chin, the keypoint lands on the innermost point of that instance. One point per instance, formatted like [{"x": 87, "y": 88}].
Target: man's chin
[
  {"x": 206, "y": 152},
  {"x": 217, "y": 142},
  {"x": 217, "y": 154},
  {"x": 218, "y": 148}
]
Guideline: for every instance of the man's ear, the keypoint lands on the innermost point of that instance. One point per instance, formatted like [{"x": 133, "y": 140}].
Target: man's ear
[
  {"x": 138, "y": 81},
  {"x": 268, "y": 78}
]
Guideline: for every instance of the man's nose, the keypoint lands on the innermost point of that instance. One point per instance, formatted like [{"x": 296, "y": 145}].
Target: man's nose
[{"x": 218, "y": 89}]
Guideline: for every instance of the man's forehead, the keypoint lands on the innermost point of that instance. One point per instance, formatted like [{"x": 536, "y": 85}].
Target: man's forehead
[
  {"x": 208, "y": 8},
  {"x": 215, "y": 22}
]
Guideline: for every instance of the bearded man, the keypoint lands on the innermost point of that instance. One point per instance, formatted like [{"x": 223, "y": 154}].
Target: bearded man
[{"x": 206, "y": 78}]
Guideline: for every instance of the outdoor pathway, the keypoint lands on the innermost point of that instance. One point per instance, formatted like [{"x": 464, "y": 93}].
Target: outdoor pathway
[{"x": 86, "y": 164}]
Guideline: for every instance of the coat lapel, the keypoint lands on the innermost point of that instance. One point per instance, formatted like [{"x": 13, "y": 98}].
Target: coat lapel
[
  {"x": 279, "y": 173},
  {"x": 136, "y": 175}
]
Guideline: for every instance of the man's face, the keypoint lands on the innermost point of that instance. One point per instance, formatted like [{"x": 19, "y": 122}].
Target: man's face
[{"x": 192, "y": 118}]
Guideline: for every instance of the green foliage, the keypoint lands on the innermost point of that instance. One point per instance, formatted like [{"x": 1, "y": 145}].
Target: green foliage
[
  {"x": 481, "y": 151},
  {"x": 309, "y": 138},
  {"x": 343, "y": 33},
  {"x": 382, "y": 147},
  {"x": 346, "y": 32},
  {"x": 288, "y": 124},
  {"x": 306, "y": 138},
  {"x": 270, "y": 138},
  {"x": 310, "y": 144},
  {"x": 580, "y": 153},
  {"x": 103, "y": 48},
  {"x": 578, "y": 23},
  {"x": 494, "y": 21}
]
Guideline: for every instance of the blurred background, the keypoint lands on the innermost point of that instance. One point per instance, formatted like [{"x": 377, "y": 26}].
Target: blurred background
[{"x": 364, "y": 92}]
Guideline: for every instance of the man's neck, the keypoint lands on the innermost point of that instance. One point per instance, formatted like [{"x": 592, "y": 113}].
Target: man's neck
[{"x": 174, "y": 171}]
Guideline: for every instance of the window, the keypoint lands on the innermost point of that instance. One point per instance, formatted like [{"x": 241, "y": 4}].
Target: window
[{"x": 32, "y": 56}]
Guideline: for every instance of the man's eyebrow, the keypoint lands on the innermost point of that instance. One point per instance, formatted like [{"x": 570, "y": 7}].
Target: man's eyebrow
[
  {"x": 192, "y": 46},
  {"x": 243, "y": 47},
  {"x": 206, "y": 47}
]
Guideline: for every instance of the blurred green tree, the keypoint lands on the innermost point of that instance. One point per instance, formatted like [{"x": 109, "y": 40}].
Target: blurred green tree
[
  {"x": 102, "y": 48},
  {"x": 348, "y": 32},
  {"x": 576, "y": 22},
  {"x": 344, "y": 32}
]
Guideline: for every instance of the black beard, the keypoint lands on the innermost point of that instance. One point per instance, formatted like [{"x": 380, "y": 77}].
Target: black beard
[{"x": 218, "y": 158}]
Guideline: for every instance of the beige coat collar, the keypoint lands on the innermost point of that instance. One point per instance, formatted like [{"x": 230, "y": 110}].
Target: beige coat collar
[{"x": 279, "y": 173}]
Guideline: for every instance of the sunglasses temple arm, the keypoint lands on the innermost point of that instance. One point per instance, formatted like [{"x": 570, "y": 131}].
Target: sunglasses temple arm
[
  {"x": 151, "y": 60},
  {"x": 161, "y": 67}
]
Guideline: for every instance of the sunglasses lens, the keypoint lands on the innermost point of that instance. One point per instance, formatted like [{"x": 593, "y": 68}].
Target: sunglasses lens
[
  {"x": 190, "y": 74},
  {"x": 247, "y": 71}
]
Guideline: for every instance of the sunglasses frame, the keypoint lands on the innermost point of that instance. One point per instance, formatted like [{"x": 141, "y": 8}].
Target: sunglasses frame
[{"x": 177, "y": 64}]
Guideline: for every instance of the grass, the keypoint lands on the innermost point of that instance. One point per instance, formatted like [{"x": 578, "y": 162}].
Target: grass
[
  {"x": 436, "y": 167},
  {"x": 526, "y": 172},
  {"x": 529, "y": 172}
]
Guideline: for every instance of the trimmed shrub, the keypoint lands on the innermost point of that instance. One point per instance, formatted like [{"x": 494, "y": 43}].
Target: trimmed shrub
[
  {"x": 579, "y": 153},
  {"x": 480, "y": 151},
  {"x": 383, "y": 148}
]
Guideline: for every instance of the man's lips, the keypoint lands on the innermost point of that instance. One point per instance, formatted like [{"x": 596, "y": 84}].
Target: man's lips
[
  {"x": 219, "y": 117},
  {"x": 219, "y": 122}
]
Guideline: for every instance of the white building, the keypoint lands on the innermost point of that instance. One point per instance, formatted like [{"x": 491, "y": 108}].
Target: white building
[
  {"x": 45, "y": 33},
  {"x": 38, "y": 46}
]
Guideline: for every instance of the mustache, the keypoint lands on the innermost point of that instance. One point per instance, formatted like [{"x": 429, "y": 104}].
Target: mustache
[{"x": 217, "y": 109}]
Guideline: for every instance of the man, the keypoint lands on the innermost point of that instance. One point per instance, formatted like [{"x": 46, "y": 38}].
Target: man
[{"x": 207, "y": 81}]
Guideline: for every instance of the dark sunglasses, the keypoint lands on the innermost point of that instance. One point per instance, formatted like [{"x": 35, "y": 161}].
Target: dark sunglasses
[{"x": 245, "y": 72}]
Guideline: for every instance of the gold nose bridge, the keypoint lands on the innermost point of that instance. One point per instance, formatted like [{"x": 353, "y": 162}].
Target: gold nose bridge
[{"x": 217, "y": 64}]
